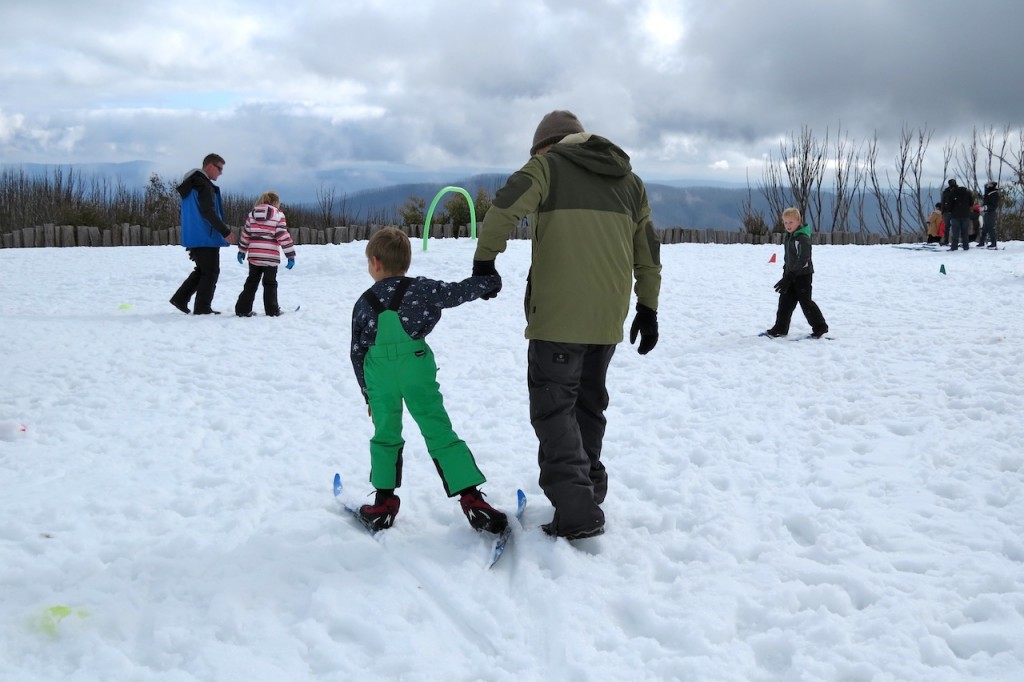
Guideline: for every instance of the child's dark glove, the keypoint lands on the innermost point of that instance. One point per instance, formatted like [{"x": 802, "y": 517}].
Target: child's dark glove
[
  {"x": 485, "y": 268},
  {"x": 646, "y": 324},
  {"x": 241, "y": 258},
  {"x": 782, "y": 286},
  {"x": 291, "y": 264}
]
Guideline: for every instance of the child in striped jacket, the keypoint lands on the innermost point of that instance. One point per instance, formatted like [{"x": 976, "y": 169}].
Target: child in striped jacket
[{"x": 263, "y": 236}]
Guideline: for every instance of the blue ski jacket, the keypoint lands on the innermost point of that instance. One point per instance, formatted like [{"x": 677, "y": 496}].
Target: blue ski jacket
[{"x": 202, "y": 217}]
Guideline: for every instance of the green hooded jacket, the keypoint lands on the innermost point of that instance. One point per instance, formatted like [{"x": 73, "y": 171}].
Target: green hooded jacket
[
  {"x": 592, "y": 236},
  {"x": 797, "y": 246}
]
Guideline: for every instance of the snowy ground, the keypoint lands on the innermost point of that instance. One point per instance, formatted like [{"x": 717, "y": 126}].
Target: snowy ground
[{"x": 779, "y": 510}]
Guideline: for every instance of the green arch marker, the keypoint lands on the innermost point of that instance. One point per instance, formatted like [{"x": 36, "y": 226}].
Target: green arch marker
[{"x": 433, "y": 205}]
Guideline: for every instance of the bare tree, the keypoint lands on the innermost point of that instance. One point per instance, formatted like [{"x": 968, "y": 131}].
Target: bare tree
[
  {"x": 1012, "y": 159},
  {"x": 915, "y": 143},
  {"x": 948, "y": 150},
  {"x": 753, "y": 221},
  {"x": 989, "y": 143},
  {"x": 861, "y": 199},
  {"x": 967, "y": 163},
  {"x": 772, "y": 190},
  {"x": 916, "y": 168},
  {"x": 847, "y": 178},
  {"x": 817, "y": 199},
  {"x": 901, "y": 193},
  {"x": 1011, "y": 215},
  {"x": 325, "y": 205},
  {"x": 881, "y": 194},
  {"x": 805, "y": 168}
]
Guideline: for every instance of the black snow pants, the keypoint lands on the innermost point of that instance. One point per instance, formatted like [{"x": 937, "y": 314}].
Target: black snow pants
[{"x": 568, "y": 399}]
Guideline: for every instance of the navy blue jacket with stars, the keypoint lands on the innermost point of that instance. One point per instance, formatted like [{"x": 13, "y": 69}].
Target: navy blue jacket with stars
[{"x": 419, "y": 311}]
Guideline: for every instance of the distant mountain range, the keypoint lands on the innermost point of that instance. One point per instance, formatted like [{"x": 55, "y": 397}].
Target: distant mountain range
[
  {"x": 674, "y": 203},
  {"x": 693, "y": 207}
]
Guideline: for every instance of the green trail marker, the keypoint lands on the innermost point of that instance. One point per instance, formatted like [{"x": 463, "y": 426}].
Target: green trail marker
[{"x": 433, "y": 205}]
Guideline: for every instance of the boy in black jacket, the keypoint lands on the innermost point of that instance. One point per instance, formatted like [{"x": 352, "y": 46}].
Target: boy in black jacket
[{"x": 795, "y": 285}]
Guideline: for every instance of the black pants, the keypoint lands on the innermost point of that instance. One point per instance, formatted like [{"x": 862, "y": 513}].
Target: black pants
[
  {"x": 799, "y": 292},
  {"x": 268, "y": 274},
  {"x": 960, "y": 234},
  {"x": 568, "y": 399},
  {"x": 988, "y": 227},
  {"x": 202, "y": 281},
  {"x": 947, "y": 218}
]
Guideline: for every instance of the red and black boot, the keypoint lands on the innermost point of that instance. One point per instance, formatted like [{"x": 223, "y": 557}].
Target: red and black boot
[
  {"x": 481, "y": 515},
  {"x": 381, "y": 514}
]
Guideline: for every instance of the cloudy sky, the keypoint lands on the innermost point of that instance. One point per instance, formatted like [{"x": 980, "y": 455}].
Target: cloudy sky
[{"x": 689, "y": 88}]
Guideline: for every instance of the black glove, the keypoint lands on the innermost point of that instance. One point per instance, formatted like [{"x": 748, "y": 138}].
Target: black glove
[
  {"x": 646, "y": 324},
  {"x": 484, "y": 268},
  {"x": 782, "y": 286}
]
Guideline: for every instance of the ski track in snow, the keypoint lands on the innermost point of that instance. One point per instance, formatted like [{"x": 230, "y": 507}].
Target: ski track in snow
[{"x": 849, "y": 510}]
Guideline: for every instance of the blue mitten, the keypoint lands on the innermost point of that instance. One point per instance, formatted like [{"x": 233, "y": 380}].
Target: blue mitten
[
  {"x": 291, "y": 264},
  {"x": 241, "y": 258}
]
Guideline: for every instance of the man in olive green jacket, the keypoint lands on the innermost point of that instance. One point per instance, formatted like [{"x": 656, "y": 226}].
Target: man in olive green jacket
[{"x": 592, "y": 237}]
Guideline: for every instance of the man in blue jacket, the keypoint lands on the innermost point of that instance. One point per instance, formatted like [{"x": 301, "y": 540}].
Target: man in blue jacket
[{"x": 203, "y": 233}]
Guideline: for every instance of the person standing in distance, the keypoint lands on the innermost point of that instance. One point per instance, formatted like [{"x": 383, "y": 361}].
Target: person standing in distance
[
  {"x": 590, "y": 224},
  {"x": 203, "y": 233},
  {"x": 988, "y": 221},
  {"x": 946, "y": 201}
]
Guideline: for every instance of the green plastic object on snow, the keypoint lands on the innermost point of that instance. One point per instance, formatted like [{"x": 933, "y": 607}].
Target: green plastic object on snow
[
  {"x": 433, "y": 205},
  {"x": 50, "y": 618}
]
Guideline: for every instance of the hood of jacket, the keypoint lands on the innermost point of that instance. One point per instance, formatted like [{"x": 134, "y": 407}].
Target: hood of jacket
[
  {"x": 804, "y": 229},
  {"x": 189, "y": 179},
  {"x": 594, "y": 153}
]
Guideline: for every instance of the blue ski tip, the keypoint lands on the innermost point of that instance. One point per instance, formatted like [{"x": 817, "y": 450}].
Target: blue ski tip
[
  {"x": 337, "y": 484},
  {"x": 498, "y": 548}
]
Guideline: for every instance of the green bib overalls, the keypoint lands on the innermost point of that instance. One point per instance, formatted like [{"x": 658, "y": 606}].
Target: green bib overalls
[{"x": 399, "y": 368}]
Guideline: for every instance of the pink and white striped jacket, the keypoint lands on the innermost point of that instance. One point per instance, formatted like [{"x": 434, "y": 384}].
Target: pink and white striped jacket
[{"x": 264, "y": 231}]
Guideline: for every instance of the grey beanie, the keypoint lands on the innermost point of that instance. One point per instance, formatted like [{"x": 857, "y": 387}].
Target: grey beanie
[{"x": 553, "y": 127}]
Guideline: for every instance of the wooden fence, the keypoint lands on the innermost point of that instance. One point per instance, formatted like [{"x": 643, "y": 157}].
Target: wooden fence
[{"x": 137, "y": 235}]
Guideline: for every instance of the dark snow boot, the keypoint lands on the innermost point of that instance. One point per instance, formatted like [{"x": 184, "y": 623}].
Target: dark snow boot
[
  {"x": 381, "y": 514},
  {"x": 183, "y": 307},
  {"x": 481, "y": 515},
  {"x": 580, "y": 534}
]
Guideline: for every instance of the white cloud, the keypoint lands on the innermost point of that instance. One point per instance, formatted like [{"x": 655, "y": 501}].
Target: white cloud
[
  {"x": 683, "y": 86},
  {"x": 9, "y": 125}
]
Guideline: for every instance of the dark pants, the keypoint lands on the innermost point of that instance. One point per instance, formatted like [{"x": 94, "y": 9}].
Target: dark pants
[
  {"x": 567, "y": 403},
  {"x": 988, "y": 227},
  {"x": 960, "y": 234},
  {"x": 202, "y": 281},
  {"x": 799, "y": 292},
  {"x": 947, "y": 219},
  {"x": 267, "y": 273}
]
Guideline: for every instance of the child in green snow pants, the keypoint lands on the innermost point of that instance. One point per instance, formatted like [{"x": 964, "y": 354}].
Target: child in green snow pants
[
  {"x": 395, "y": 368},
  {"x": 399, "y": 368}
]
